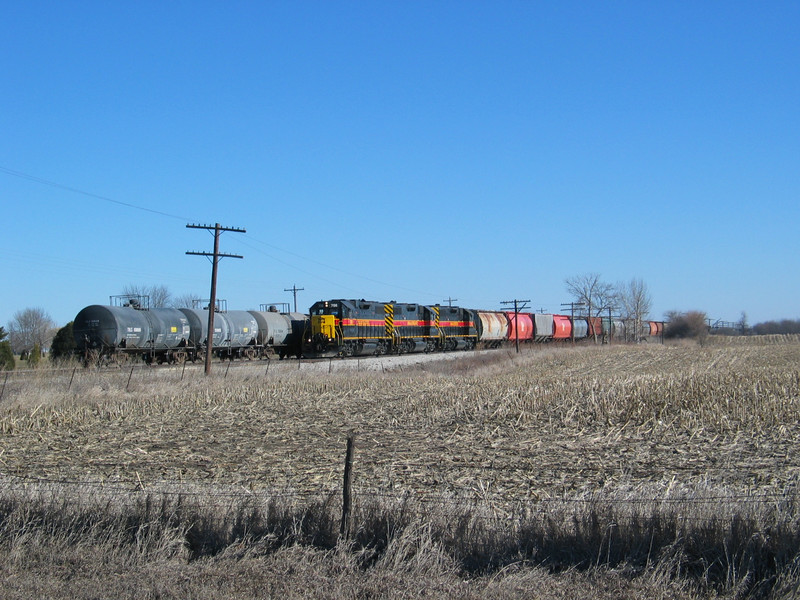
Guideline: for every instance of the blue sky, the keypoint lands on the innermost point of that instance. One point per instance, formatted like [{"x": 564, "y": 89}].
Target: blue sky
[{"x": 409, "y": 151}]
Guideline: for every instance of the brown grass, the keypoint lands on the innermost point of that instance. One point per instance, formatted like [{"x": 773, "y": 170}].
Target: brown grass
[{"x": 617, "y": 469}]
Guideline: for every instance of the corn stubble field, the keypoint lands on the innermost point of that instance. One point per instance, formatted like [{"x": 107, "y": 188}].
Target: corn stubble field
[{"x": 617, "y": 472}]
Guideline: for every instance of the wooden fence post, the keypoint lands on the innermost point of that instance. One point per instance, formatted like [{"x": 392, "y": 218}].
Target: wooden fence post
[
  {"x": 128, "y": 385},
  {"x": 4, "y": 386},
  {"x": 347, "y": 493}
]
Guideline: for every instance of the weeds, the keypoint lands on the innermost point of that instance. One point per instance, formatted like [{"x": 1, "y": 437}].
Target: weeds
[{"x": 624, "y": 469}]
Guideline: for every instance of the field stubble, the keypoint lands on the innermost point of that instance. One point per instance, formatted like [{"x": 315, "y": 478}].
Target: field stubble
[
  {"x": 540, "y": 424},
  {"x": 679, "y": 434}
]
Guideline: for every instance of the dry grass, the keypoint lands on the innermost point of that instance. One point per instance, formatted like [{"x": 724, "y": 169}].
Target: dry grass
[{"x": 618, "y": 469}]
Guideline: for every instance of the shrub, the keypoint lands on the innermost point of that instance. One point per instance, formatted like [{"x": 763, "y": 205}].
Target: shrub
[
  {"x": 687, "y": 325},
  {"x": 34, "y": 356},
  {"x": 63, "y": 346},
  {"x": 7, "y": 362}
]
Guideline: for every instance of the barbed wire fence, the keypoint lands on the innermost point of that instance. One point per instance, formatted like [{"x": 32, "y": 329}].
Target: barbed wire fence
[{"x": 710, "y": 506}]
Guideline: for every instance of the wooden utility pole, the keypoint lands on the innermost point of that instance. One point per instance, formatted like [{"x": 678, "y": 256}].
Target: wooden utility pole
[
  {"x": 294, "y": 289},
  {"x": 450, "y": 301},
  {"x": 215, "y": 256},
  {"x": 518, "y": 305},
  {"x": 572, "y": 307}
]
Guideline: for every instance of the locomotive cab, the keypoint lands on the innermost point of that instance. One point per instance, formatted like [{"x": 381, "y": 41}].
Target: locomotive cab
[{"x": 324, "y": 316}]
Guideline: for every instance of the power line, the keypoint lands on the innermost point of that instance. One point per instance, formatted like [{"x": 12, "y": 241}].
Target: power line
[
  {"x": 61, "y": 186},
  {"x": 54, "y": 184}
]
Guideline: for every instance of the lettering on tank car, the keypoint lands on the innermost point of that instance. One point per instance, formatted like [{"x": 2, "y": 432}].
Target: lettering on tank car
[{"x": 134, "y": 330}]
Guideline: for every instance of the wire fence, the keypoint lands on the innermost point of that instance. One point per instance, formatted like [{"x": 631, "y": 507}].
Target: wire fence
[{"x": 625, "y": 506}]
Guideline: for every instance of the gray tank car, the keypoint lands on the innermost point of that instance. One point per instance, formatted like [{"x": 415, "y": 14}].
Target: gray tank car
[{"x": 113, "y": 333}]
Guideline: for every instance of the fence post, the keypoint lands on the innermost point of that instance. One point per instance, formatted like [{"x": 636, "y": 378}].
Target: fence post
[
  {"x": 128, "y": 385},
  {"x": 4, "y": 386},
  {"x": 347, "y": 493}
]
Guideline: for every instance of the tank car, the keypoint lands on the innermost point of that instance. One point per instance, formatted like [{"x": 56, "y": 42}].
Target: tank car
[
  {"x": 112, "y": 332},
  {"x": 235, "y": 333},
  {"x": 280, "y": 332},
  {"x": 242, "y": 336}
]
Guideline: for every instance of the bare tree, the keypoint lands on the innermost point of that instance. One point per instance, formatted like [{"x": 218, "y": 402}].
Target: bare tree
[
  {"x": 159, "y": 295},
  {"x": 594, "y": 293},
  {"x": 743, "y": 325},
  {"x": 185, "y": 300},
  {"x": 29, "y": 327},
  {"x": 635, "y": 303}
]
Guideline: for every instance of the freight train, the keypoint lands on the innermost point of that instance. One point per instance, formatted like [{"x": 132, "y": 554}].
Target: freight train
[{"x": 333, "y": 328}]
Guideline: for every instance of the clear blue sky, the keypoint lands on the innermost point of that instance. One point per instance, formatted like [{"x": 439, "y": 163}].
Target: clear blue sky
[{"x": 408, "y": 151}]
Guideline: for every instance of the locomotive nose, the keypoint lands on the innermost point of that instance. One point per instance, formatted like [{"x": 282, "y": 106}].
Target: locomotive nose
[{"x": 323, "y": 325}]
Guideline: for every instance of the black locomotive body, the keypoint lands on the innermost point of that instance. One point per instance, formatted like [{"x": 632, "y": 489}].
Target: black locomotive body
[{"x": 361, "y": 327}]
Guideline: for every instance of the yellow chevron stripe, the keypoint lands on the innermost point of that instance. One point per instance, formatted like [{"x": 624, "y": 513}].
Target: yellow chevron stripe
[{"x": 389, "y": 319}]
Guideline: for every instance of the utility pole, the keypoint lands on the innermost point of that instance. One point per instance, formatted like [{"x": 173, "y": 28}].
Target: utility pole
[
  {"x": 294, "y": 289},
  {"x": 215, "y": 256},
  {"x": 450, "y": 301},
  {"x": 518, "y": 304},
  {"x": 573, "y": 306}
]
